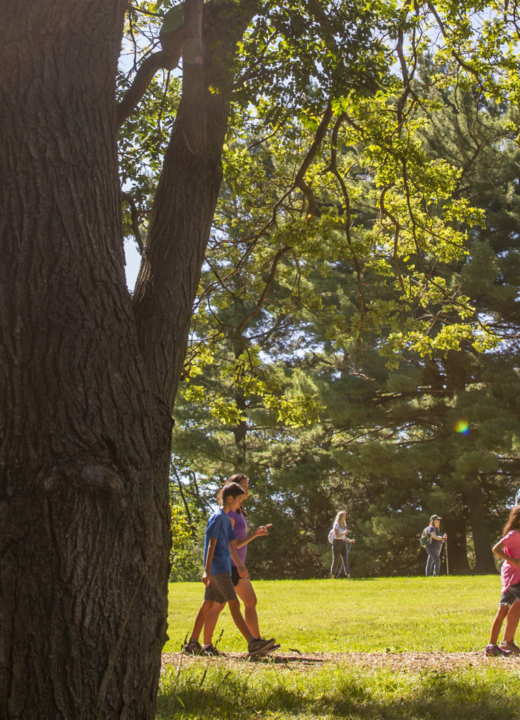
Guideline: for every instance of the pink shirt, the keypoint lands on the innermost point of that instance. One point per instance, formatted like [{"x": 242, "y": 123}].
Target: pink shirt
[{"x": 511, "y": 546}]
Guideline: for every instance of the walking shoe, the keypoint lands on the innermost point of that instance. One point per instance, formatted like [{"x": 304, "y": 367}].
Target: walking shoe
[
  {"x": 495, "y": 651},
  {"x": 512, "y": 647},
  {"x": 259, "y": 646},
  {"x": 212, "y": 651},
  {"x": 192, "y": 648}
]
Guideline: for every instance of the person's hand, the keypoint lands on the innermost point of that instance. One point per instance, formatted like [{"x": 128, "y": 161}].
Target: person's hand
[
  {"x": 262, "y": 530},
  {"x": 242, "y": 571},
  {"x": 206, "y": 578},
  {"x": 444, "y": 537},
  {"x": 352, "y": 541}
]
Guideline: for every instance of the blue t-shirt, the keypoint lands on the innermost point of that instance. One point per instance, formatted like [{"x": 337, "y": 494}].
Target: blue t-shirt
[{"x": 219, "y": 527}]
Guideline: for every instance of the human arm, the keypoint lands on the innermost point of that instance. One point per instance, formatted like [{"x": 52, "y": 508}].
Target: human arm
[
  {"x": 236, "y": 559},
  {"x": 499, "y": 550},
  {"x": 259, "y": 532},
  {"x": 206, "y": 575},
  {"x": 348, "y": 540}
]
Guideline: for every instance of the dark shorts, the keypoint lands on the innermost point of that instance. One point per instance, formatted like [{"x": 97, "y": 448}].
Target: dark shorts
[
  {"x": 510, "y": 595},
  {"x": 220, "y": 589},
  {"x": 235, "y": 577}
]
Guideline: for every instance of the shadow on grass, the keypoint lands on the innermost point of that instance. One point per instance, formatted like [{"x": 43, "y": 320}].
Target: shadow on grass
[{"x": 334, "y": 692}]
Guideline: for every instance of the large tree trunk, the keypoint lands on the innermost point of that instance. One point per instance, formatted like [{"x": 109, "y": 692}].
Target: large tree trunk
[
  {"x": 485, "y": 562},
  {"x": 455, "y": 527},
  {"x": 84, "y": 526}
]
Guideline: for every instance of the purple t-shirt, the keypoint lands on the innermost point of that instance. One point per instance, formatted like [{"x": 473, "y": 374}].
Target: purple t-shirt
[{"x": 241, "y": 528}]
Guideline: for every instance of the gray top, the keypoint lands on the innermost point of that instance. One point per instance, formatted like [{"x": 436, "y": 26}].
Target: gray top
[{"x": 340, "y": 532}]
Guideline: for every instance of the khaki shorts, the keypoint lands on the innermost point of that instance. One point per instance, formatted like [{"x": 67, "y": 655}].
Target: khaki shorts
[{"x": 220, "y": 589}]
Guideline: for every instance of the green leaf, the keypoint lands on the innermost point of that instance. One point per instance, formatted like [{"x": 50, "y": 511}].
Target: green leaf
[{"x": 173, "y": 19}]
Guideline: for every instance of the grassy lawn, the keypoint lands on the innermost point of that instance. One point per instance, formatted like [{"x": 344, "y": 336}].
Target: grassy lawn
[
  {"x": 384, "y": 615},
  {"x": 337, "y": 692},
  {"x": 450, "y": 614}
]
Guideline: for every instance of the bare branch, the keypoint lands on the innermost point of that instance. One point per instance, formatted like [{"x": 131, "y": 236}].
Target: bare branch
[
  {"x": 300, "y": 176},
  {"x": 185, "y": 502},
  {"x": 165, "y": 59},
  {"x": 278, "y": 257},
  {"x": 348, "y": 226},
  {"x": 135, "y": 220}
]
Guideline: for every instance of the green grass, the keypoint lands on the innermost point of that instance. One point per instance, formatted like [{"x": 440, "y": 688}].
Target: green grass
[
  {"x": 450, "y": 614},
  {"x": 401, "y": 614},
  {"x": 337, "y": 692}
]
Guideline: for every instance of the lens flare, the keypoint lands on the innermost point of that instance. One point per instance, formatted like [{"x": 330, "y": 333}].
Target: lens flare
[{"x": 461, "y": 426}]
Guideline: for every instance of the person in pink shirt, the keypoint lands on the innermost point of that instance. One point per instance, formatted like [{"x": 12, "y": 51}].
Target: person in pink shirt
[{"x": 509, "y": 550}]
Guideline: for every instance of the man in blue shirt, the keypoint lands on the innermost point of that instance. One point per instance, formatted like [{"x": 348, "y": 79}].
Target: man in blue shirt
[{"x": 219, "y": 547}]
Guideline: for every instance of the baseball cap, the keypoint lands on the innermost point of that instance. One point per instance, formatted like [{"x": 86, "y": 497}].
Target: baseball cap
[{"x": 435, "y": 517}]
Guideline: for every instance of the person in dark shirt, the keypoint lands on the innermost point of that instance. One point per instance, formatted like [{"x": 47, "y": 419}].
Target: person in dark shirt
[{"x": 433, "y": 546}]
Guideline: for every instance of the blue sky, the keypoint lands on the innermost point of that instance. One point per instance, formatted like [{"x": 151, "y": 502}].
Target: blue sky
[{"x": 133, "y": 260}]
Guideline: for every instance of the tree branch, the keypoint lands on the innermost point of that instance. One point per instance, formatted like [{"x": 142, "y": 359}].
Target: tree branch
[
  {"x": 300, "y": 176},
  {"x": 278, "y": 257},
  {"x": 134, "y": 213},
  {"x": 165, "y": 59},
  {"x": 184, "y": 502},
  {"x": 187, "y": 193},
  {"x": 299, "y": 181}
]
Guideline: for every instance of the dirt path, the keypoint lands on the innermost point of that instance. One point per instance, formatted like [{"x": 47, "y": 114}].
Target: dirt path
[{"x": 398, "y": 662}]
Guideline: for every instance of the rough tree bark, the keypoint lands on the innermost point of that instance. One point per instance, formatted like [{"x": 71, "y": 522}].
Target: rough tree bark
[
  {"x": 83, "y": 442},
  {"x": 85, "y": 395},
  {"x": 455, "y": 527},
  {"x": 484, "y": 558}
]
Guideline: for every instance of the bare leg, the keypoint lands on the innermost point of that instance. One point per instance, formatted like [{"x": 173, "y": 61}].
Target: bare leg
[
  {"x": 497, "y": 623},
  {"x": 211, "y": 621},
  {"x": 512, "y": 622},
  {"x": 234, "y": 609},
  {"x": 201, "y": 618},
  {"x": 246, "y": 593}
]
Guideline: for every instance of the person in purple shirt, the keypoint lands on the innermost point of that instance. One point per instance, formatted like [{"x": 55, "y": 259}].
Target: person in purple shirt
[{"x": 243, "y": 587}]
